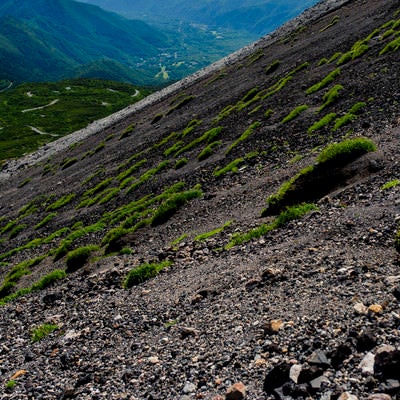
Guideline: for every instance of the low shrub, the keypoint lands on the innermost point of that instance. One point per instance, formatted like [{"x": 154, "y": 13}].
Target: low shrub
[
  {"x": 68, "y": 162},
  {"x": 99, "y": 147},
  {"x": 358, "y": 49},
  {"x": 49, "y": 279},
  {"x": 191, "y": 126},
  {"x": 244, "y": 136},
  {"x": 206, "y": 235},
  {"x": 16, "y": 231},
  {"x": 127, "y": 131},
  {"x": 134, "y": 168},
  {"x": 24, "y": 182},
  {"x": 45, "y": 220},
  {"x": 207, "y": 137},
  {"x": 331, "y": 96},
  {"x": 350, "y": 116},
  {"x": 231, "y": 167},
  {"x": 289, "y": 214},
  {"x": 333, "y": 22},
  {"x": 293, "y": 212},
  {"x": 156, "y": 118},
  {"x": 255, "y": 57},
  {"x": 346, "y": 150},
  {"x": 9, "y": 226},
  {"x": 180, "y": 104}
]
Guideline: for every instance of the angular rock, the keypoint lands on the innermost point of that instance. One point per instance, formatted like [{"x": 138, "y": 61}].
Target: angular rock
[
  {"x": 277, "y": 377},
  {"x": 375, "y": 309},
  {"x": 396, "y": 292},
  {"x": 391, "y": 386},
  {"x": 367, "y": 364},
  {"x": 317, "y": 383},
  {"x": 366, "y": 341},
  {"x": 310, "y": 373},
  {"x": 319, "y": 358},
  {"x": 294, "y": 372},
  {"x": 341, "y": 353},
  {"x": 387, "y": 364}
]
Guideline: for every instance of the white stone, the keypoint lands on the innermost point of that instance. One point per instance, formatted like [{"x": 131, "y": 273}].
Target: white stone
[
  {"x": 295, "y": 372},
  {"x": 367, "y": 364}
]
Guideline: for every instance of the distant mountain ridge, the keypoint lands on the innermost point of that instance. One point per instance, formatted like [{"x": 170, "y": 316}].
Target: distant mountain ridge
[
  {"x": 257, "y": 17},
  {"x": 47, "y": 41},
  {"x": 56, "y": 39}
]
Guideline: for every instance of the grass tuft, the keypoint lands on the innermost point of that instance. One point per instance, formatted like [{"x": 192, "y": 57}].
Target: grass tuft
[
  {"x": 143, "y": 273},
  {"x": 324, "y": 82},
  {"x": 294, "y": 113},
  {"x": 390, "y": 184},
  {"x": 77, "y": 258},
  {"x": 343, "y": 151},
  {"x": 289, "y": 214},
  {"x": 324, "y": 121},
  {"x": 42, "y": 331},
  {"x": 332, "y": 156},
  {"x": 170, "y": 206}
]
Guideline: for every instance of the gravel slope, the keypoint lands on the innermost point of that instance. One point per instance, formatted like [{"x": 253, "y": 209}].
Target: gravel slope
[{"x": 310, "y": 310}]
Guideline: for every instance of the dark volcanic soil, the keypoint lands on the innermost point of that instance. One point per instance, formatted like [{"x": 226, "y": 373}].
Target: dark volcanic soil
[{"x": 310, "y": 310}]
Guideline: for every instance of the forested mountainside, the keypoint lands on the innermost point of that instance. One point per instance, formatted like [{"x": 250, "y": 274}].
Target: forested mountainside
[
  {"x": 234, "y": 237},
  {"x": 47, "y": 41}
]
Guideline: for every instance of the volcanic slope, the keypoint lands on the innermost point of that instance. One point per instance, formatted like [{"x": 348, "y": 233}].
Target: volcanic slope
[{"x": 302, "y": 304}]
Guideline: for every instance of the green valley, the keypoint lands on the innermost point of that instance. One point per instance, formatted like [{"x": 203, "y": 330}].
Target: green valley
[{"x": 33, "y": 114}]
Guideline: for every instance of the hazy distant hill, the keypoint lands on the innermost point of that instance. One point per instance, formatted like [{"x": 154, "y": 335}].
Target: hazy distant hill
[{"x": 254, "y": 16}]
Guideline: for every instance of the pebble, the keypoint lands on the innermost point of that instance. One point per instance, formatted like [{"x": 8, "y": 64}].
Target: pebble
[
  {"x": 189, "y": 388},
  {"x": 347, "y": 396},
  {"x": 375, "y": 308},
  {"x": 236, "y": 392},
  {"x": 360, "y": 308},
  {"x": 273, "y": 326}
]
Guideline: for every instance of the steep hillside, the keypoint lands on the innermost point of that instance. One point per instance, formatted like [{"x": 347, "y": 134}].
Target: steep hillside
[{"x": 235, "y": 233}]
